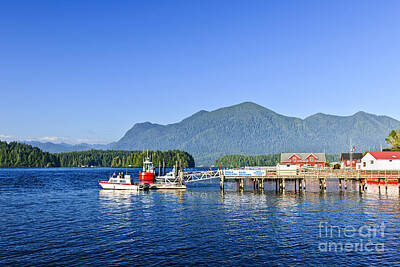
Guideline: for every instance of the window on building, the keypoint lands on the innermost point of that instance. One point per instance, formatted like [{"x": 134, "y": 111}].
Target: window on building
[
  {"x": 390, "y": 160},
  {"x": 364, "y": 164},
  {"x": 311, "y": 159},
  {"x": 372, "y": 162}
]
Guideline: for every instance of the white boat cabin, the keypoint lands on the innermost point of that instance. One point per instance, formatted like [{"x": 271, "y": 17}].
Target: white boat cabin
[{"x": 120, "y": 178}]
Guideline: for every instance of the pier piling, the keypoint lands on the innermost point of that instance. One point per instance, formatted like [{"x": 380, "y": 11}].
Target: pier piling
[
  {"x": 222, "y": 182},
  {"x": 386, "y": 185},
  {"x": 379, "y": 185}
]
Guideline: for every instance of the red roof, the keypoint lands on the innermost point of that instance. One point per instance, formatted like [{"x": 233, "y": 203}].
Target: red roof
[{"x": 385, "y": 154}]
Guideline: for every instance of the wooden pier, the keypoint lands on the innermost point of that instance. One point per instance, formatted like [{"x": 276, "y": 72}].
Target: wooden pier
[{"x": 301, "y": 177}]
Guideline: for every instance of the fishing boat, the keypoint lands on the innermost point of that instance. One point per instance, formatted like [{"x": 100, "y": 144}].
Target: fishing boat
[{"x": 121, "y": 182}]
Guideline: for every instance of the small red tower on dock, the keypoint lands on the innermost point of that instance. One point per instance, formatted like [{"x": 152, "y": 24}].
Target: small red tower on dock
[{"x": 147, "y": 176}]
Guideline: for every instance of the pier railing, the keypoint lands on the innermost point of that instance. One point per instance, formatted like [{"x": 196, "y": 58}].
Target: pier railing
[{"x": 197, "y": 176}]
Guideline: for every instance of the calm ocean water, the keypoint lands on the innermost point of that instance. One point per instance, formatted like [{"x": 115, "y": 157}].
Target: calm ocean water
[{"x": 62, "y": 217}]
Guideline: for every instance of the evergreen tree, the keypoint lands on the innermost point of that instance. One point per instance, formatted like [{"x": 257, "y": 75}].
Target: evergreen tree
[{"x": 394, "y": 139}]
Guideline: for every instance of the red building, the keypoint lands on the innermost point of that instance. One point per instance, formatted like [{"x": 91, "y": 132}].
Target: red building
[
  {"x": 316, "y": 160},
  {"x": 350, "y": 159}
]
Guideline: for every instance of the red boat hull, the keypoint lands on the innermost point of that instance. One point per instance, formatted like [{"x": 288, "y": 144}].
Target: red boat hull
[{"x": 146, "y": 177}]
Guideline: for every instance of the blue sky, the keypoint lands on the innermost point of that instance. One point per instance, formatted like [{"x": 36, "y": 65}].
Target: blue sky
[{"x": 89, "y": 70}]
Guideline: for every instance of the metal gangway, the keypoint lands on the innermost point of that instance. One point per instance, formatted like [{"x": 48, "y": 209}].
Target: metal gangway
[{"x": 197, "y": 176}]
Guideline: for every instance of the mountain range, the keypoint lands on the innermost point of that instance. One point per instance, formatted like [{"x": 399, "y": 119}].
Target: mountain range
[{"x": 248, "y": 128}]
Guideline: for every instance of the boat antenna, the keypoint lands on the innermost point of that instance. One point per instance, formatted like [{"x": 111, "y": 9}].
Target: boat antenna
[{"x": 351, "y": 153}]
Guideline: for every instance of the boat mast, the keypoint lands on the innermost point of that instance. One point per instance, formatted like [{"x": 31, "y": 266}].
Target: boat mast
[
  {"x": 163, "y": 164},
  {"x": 351, "y": 154}
]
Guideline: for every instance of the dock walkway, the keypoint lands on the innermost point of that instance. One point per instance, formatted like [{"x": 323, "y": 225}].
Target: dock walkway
[{"x": 258, "y": 175}]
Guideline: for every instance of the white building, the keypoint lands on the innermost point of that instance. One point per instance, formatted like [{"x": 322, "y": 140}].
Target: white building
[
  {"x": 286, "y": 169},
  {"x": 380, "y": 160}
]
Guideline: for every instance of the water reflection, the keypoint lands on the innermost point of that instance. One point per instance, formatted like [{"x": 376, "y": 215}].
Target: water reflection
[
  {"x": 116, "y": 194},
  {"x": 289, "y": 204},
  {"x": 117, "y": 199},
  {"x": 178, "y": 194},
  {"x": 123, "y": 200}
]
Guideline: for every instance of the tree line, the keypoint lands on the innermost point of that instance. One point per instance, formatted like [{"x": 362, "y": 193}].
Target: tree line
[
  {"x": 124, "y": 158},
  {"x": 235, "y": 160},
  {"x": 15, "y": 155}
]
